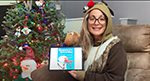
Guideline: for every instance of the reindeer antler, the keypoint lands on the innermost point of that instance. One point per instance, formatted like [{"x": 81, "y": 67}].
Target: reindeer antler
[
  {"x": 102, "y": 0},
  {"x": 111, "y": 11}
]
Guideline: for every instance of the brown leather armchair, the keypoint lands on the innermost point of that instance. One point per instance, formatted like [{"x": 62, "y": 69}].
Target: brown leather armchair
[
  {"x": 136, "y": 41},
  {"x": 43, "y": 74}
]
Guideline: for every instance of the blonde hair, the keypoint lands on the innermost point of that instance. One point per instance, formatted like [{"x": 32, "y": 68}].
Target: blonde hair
[{"x": 86, "y": 39}]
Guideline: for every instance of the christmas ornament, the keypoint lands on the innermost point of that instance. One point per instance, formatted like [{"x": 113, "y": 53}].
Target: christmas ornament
[
  {"x": 32, "y": 23},
  {"x": 14, "y": 61},
  {"x": 18, "y": 31},
  {"x": 26, "y": 30},
  {"x": 46, "y": 28},
  {"x": 26, "y": 17},
  {"x": 47, "y": 36},
  {"x": 16, "y": 70},
  {"x": 5, "y": 65},
  {"x": 28, "y": 64},
  {"x": 50, "y": 26},
  {"x": 27, "y": 67},
  {"x": 29, "y": 51},
  {"x": 26, "y": 20},
  {"x": 44, "y": 20},
  {"x": 39, "y": 3},
  {"x": 20, "y": 48},
  {"x": 39, "y": 28},
  {"x": 14, "y": 77}
]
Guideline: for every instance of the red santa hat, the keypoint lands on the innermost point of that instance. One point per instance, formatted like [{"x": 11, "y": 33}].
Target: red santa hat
[{"x": 29, "y": 52}]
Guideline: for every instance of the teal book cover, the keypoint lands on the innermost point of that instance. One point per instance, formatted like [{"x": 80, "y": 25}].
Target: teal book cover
[{"x": 65, "y": 58}]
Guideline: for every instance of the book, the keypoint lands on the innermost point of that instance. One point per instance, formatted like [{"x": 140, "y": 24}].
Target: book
[{"x": 65, "y": 58}]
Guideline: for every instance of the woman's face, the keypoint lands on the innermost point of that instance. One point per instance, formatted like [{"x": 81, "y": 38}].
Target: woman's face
[{"x": 96, "y": 23}]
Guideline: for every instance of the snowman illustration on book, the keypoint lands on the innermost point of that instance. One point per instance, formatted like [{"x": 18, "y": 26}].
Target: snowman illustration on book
[
  {"x": 28, "y": 65},
  {"x": 63, "y": 61}
]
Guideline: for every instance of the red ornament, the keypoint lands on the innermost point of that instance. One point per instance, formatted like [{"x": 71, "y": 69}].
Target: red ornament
[
  {"x": 40, "y": 28},
  {"x": 90, "y": 4},
  {"x": 15, "y": 63},
  {"x": 27, "y": 79},
  {"x": 26, "y": 20},
  {"x": 10, "y": 73},
  {"x": 16, "y": 70},
  {"x": 5, "y": 65},
  {"x": 26, "y": 17},
  {"x": 14, "y": 77},
  {"x": 21, "y": 58}
]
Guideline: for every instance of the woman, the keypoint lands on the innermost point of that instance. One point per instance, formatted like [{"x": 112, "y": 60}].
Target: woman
[{"x": 105, "y": 58}]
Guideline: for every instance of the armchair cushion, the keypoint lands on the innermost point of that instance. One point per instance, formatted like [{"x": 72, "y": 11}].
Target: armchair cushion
[
  {"x": 134, "y": 37},
  {"x": 138, "y": 60},
  {"x": 138, "y": 75}
]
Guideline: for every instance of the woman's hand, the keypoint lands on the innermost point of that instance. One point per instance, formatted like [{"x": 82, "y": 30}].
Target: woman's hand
[
  {"x": 73, "y": 73},
  {"x": 79, "y": 75}
]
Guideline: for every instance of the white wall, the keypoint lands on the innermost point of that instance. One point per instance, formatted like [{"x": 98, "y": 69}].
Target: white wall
[
  {"x": 139, "y": 10},
  {"x": 6, "y": 2},
  {"x": 73, "y": 24}
]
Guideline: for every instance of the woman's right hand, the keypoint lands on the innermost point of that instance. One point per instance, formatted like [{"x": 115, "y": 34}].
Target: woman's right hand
[
  {"x": 79, "y": 75},
  {"x": 73, "y": 73}
]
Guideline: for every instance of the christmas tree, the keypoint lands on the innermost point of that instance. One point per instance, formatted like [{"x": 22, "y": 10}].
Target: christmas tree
[{"x": 36, "y": 24}]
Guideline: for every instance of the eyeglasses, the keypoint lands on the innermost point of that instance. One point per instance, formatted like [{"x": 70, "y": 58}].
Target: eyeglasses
[{"x": 93, "y": 19}]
